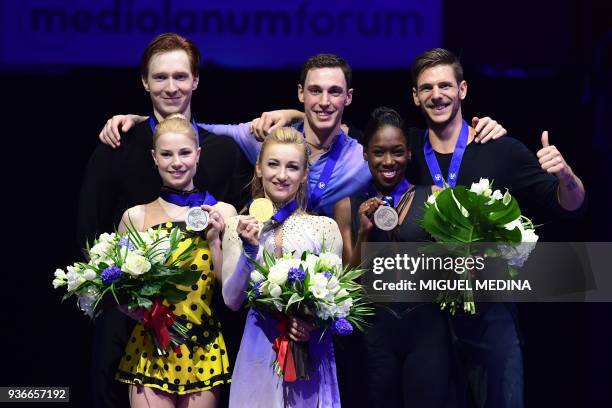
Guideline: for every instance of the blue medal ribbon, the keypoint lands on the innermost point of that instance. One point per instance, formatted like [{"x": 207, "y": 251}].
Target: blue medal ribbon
[
  {"x": 192, "y": 198},
  {"x": 323, "y": 182},
  {"x": 153, "y": 125},
  {"x": 283, "y": 213},
  {"x": 395, "y": 196},
  {"x": 279, "y": 216},
  {"x": 455, "y": 164}
]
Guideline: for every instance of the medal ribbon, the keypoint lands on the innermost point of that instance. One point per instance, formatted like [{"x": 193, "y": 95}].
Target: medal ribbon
[
  {"x": 323, "y": 181},
  {"x": 279, "y": 216},
  {"x": 455, "y": 164},
  {"x": 153, "y": 125},
  {"x": 192, "y": 198},
  {"x": 284, "y": 354},
  {"x": 283, "y": 213},
  {"x": 396, "y": 194}
]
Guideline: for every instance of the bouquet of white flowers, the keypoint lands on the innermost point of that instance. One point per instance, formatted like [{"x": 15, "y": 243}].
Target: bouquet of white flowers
[
  {"x": 140, "y": 268},
  {"x": 478, "y": 215},
  {"x": 316, "y": 288}
]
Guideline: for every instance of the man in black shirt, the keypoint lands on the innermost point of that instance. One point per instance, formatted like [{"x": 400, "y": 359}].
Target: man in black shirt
[
  {"x": 117, "y": 179},
  {"x": 489, "y": 340}
]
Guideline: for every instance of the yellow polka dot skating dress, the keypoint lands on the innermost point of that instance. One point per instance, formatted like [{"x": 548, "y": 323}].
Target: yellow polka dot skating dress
[{"x": 202, "y": 363}]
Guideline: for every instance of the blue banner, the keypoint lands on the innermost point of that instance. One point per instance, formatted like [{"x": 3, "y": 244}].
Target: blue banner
[{"x": 241, "y": 34}]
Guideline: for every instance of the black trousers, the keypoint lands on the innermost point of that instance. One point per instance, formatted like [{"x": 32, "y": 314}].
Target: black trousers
[
  {"x": 404, "y": 359},
  {"x": 490, "y": 347}
]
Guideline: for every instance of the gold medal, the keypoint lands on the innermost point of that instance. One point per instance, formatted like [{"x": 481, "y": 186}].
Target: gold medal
[{"x": 261, "y": 209}]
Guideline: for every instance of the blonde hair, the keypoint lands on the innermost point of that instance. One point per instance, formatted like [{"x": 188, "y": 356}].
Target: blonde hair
[
  {"x": 175, "y": 123},
  {"x": 283, "y": 135}
]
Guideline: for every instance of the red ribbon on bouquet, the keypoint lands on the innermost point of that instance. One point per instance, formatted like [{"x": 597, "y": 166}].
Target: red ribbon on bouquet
[
  {"x": 284, "y": 355},
  {"x": 158, "y": 319}
]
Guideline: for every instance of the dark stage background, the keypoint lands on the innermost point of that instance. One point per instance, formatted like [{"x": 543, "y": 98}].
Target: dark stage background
[{"x": 531, "y": 66}]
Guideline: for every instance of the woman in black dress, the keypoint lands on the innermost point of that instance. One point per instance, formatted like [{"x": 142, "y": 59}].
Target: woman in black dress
[{"x": 407, "y": 350}]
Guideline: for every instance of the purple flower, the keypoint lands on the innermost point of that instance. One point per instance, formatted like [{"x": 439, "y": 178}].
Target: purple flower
[
  {"x": 256, "y": 288},
  {"x": 125, "y": 242},
  {"x": 296, "y": 274},
  {"x": 341, "y": 327},
  {"x": 110, "y": 275},
  {"x": 327, "y": 274}
]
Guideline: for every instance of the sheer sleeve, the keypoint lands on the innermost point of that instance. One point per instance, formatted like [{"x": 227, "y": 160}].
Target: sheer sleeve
[{"x": 236, "y": 269}]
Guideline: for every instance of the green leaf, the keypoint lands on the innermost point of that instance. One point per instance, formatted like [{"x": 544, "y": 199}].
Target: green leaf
[
  {"x": 268, "y": 259},
  {"x": 295, "y": 298},
  {"x": 186, "y": 278},
  {"x": 173, "y": 294},
  {"x": 150, "y": 288}
]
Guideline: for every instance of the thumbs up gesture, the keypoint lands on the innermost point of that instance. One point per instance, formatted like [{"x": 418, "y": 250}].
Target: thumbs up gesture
[{"x": 552, "y": 161}]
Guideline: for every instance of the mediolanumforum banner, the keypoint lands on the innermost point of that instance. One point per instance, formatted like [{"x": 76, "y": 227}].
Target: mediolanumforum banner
[{"x": 239, "y": 34}]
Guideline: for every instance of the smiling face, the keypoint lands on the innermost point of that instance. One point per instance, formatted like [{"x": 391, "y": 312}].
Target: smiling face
[
  {"x": 439, "y": 95},
  {"x": 387, "y": 156},
  {"x": 176, "y": 156},
  {"x": 282, "y": 168},
  {"x": 170, "y": 82},
  {"x": 324, "y": 95}
]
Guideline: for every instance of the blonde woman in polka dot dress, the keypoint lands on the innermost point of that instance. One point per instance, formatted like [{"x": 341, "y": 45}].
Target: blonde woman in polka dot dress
[{"x": 190, "y": 376}]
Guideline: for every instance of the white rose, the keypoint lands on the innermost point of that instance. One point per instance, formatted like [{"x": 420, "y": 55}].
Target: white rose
[
  {"x": 256, "y": 276},
  {"x": 330, "y": 260},
  {"x": 136, "y": 264},
  {"x": 278, "y": 273},
  {"x": 89, "y": 274},
  {"x": 481, "y": 188},
  {"x": 275, "y": 290}
]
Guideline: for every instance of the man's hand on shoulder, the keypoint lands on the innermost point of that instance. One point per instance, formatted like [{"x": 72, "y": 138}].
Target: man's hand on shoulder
[
  {"x": 269, "y": 121},
  {"x": 111, "y": 135},
  {"x": 487, "y": 129}
]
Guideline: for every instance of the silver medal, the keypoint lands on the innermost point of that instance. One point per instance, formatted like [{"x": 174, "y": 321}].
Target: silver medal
[
  {"x": 385, "y": 218},
  {"x": 196, "y": 219}
]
